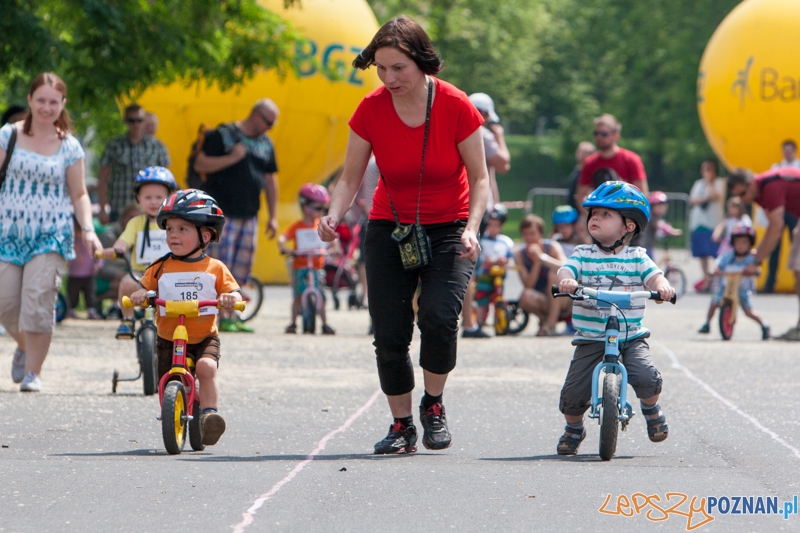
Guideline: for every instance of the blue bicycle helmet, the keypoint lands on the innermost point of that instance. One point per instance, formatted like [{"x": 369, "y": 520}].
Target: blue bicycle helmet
[
  {"x": 625, "y": 199},
  {"x": 499, "y": 212},
  {"x": 159, "y": 175},
  {"x": 565, "y": 214}
]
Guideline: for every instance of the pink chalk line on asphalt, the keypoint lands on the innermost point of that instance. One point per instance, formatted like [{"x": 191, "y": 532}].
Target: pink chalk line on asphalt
[
  {"x": 731, "y": 405},
  {"x": 248, "y": 517}
]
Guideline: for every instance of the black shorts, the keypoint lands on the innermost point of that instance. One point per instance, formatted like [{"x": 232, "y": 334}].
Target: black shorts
[{"x": 208, "y": 347}]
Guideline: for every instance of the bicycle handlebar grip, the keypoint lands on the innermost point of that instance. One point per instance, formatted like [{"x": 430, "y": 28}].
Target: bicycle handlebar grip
[
  {"x": 127, "y": 303},
  {"x": 655, "y": 296},
  {"x": 240, "y": 306}
]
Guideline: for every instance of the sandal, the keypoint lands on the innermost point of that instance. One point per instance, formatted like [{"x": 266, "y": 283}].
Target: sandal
[
  {"x": 569, "y": 442},
  {"x": 546, "y": 330},
  {"x": 657, "y": 428}
]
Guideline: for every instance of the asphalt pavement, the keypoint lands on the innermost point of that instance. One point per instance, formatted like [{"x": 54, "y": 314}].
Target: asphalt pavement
[{"x": 303, "y": 413}]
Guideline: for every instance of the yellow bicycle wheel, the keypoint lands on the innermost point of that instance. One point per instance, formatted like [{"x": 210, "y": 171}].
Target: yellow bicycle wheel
[{"x": 173, "y": 417}]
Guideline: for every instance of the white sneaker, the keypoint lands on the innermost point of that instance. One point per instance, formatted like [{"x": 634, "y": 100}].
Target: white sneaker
[
  {"x": 31, "y": 383},
  {"x": 18, "y": 366}
]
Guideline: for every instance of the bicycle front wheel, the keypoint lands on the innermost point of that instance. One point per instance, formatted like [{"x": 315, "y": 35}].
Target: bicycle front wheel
[
  {"x": 173, "y": 417},
  {"x": 726, "y": 321},
  {"x": 310, "y": 314},
  {"x": 500, "y": 319},
  {"x": 253, "y": 295},
  {"x": 146, "y": 345},
  {"x": 609, "y": 418},
  {"x": 677, "y": 279}
]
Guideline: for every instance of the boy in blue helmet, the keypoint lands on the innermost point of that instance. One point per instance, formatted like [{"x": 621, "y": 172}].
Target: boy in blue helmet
[
  {"x": 617, "y": 211},
  {"x": 565, "y": 228},
  {"x": 142, "y": 235}
]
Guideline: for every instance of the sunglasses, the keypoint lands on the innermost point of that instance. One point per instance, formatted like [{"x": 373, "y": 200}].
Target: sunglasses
[
  {"x": 317, "y": 207},
  {"x": 602, "y": 133},
  {"x": 269, "y": 123},
  {"x": 130, "y": 120}
]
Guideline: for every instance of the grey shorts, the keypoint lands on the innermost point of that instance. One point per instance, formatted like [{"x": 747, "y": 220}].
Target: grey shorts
[
  {"x": 28, "y": 293},
  {"x": 643, "y": 376}
]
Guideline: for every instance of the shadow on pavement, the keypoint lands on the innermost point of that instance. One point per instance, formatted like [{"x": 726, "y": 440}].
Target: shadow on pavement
[{"x": 584, "y": 458}]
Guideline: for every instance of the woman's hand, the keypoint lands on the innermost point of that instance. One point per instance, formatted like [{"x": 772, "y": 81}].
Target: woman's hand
[
  {"x": 472, "y": 248},
  {"x": 327, "y": 228},
  {"x": 91, "y": 241}
]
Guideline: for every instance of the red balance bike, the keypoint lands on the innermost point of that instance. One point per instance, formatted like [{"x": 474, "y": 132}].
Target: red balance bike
[{"x": 177, "y": 389}]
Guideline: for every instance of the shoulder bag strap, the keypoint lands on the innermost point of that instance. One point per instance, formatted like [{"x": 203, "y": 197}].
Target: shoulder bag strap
[
  {"x": 11, "y": 142},
  {"x": 422, "y": 164}
]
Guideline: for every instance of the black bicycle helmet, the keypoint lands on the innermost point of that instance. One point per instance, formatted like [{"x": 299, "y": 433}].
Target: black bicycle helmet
[{"x": 193, "y": 206}]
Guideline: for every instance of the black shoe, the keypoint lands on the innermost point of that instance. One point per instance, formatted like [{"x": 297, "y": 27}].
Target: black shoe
[
  {"x": 475, "y": 334},
  {"x": 401, "y": 439},
  {"x": 435, "y": 434}
]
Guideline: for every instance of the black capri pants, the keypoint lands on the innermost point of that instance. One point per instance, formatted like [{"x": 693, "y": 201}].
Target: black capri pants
[{"x": 391, "y": 292}]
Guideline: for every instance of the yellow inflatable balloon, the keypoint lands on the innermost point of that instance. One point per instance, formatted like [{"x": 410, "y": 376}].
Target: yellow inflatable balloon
[
  {"x": 311, "y": 133},
  {"x": 748, "y": 90}
]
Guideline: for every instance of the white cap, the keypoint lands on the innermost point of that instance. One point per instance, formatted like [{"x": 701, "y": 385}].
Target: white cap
[{"x": 484, "y": 102}]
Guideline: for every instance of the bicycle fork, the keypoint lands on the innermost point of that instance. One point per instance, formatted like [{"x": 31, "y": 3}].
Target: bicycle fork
[{"x": 611, "y": 364}]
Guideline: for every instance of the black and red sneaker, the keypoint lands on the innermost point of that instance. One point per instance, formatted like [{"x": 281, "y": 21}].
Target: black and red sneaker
[
  {"x": 435, "y": 435},
  {"x": 401, "y": 439}
]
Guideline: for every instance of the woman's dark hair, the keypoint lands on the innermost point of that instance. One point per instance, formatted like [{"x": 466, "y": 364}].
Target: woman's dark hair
[
  {"x": 404, "y": 34},
  {"x": 62, "y": 122}
]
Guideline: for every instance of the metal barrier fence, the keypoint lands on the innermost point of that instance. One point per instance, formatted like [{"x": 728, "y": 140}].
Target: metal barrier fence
[{"x": 543, "y": 200}]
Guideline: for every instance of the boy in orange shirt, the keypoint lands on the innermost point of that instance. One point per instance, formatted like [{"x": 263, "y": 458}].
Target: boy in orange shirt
[
  {"x": 314, "y": 200},
  {"x": 192, "y": 220}
]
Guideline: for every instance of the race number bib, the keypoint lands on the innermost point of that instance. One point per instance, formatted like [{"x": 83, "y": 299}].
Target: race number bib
[
  {"x": 158, "y": 246},
  {"x": 188, "y": 286},
  {"x": 308, "y": 239}
]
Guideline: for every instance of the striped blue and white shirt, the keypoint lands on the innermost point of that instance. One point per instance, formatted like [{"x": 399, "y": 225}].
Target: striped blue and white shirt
[{"x": 625, "y": 271}]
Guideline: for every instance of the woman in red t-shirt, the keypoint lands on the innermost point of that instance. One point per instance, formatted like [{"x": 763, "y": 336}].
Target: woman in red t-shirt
[{"x": 451, "y": 198}]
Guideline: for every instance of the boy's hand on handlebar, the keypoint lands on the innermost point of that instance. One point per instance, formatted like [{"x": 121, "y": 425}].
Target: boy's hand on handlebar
[
  {"x": 139, "y": 297},
  {"x": 111, "y": 253},
  {"x": 667, "y": 293},
  {"x": 567, "y": 285},
  {"x": 228, "y": 300},
  {"x": 327, "y": 228}
]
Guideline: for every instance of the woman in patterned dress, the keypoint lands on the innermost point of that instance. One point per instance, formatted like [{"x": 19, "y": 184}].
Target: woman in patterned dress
[{"x": 44, "y": 184}]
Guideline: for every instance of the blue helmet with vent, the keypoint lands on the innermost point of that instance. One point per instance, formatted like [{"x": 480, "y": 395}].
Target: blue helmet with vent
[
  {"x": 565, "y": 214},
  {"x": 624, "y": 198},
  {"x": 157, "y": 175}
]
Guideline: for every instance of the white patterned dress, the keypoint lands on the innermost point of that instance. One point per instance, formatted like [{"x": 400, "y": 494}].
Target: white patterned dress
[{"x": 35, "y": 209}]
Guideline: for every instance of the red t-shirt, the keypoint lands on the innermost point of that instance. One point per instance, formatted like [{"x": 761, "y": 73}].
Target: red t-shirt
[
  {"x": 625, "y": 163},
  {"x": 398, "y": 153},
  {"x": 779, "y": 188}
]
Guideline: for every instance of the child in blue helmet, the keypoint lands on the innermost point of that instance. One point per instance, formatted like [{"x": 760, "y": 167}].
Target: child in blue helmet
[
  {"x": 565, "y": 228},
  {"x": 142, "y": 235},
  {"x": 617, "y": 211}
]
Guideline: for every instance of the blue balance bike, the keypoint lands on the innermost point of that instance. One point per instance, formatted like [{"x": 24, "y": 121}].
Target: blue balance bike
[{"x": 612, "y": 409}]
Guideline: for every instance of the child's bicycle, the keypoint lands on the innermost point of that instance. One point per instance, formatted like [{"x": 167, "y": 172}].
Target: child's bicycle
[
  {"x": 729, "y": 305},
  {"x": 312, "y": 300},
  {"x": 178, "y": 389},
  {"x": 509, "y": 317},
  {"x": 612, "y": 409},
  {"x": 145, "y": 338},
  {"x": 253, "y": 293}
]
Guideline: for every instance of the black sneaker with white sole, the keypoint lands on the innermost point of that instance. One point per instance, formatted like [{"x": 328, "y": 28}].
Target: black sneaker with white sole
[
  {"x": 401, "y": 439},
  {"x": 435, "y": 435}
]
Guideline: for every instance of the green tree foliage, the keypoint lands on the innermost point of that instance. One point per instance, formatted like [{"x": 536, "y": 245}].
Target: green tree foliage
[
  {"x": 567, "y": 61},
  {"x": 107, "y": 49}
]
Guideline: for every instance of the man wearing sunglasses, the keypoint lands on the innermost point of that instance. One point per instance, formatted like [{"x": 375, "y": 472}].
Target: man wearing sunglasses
[
  {"x": 239, "y": 161},
  {"x": 627, "y": 164},
  {"x": 122, "y": 160},
  {"x": 777, "y": 192}
]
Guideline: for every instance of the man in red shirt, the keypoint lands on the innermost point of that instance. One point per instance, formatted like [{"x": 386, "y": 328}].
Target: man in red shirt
[
  {"x": 626, "y": 164},
  {"x": 777, "y": 191}
]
